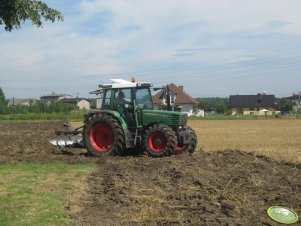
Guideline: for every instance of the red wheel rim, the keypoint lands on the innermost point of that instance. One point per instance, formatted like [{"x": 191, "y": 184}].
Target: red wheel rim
[
  {"x": 157, "y": 142},
  {"x": 181, "y": 147},
  {"x": 101, "y": 137}
]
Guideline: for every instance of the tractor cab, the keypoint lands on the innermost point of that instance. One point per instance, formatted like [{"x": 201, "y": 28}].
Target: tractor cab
[{"x": 128, "y": 99}]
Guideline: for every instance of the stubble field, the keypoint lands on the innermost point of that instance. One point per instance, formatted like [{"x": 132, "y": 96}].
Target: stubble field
[
  {"x": 240, "y": 168},
  {"x": 278, "y": 139}
]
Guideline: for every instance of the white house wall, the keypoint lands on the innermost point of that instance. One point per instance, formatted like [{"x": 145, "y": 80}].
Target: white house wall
[
  {"x": 83, "y": 104},
  {"x": 187, "y": 108}
]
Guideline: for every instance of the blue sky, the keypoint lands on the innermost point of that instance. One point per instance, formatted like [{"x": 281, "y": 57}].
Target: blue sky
[{"x": 213, "y": 48}]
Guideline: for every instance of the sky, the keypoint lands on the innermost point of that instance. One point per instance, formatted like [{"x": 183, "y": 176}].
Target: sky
[{"x": 213, "y": 48}]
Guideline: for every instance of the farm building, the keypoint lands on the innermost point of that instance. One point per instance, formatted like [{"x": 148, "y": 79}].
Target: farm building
[
  {"x": 179, "y": 98},
  {"x": 81, "y": 103},
  {"x": 21, "y": 101},
  {"x": 53, "y": 97},
  {"x": 260, "y": 104}
]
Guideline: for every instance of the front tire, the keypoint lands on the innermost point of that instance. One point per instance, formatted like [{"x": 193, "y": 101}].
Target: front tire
[
  {"x": 103, "y": 135},
  {"x": 159, "y": 140}
]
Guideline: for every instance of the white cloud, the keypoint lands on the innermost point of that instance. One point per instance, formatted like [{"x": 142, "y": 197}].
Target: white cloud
[{"x": 106, "y": 37}]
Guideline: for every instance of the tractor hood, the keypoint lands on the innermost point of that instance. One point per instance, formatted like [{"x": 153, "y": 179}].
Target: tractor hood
[{"x": 170, "y": 118}]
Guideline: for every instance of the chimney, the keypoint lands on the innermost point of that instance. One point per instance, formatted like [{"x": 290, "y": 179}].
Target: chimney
[
  {"x": 181, "y": 87},
  {"x": 262, "y": 94}
]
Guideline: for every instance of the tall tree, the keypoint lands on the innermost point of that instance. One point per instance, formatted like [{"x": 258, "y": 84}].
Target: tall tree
[
  {"x": 15, "y": 12},
  {"x": 2, "y": 96},
  {"x": 217, "y": 104},
  {"x": 2, "y": 101},
  {"x": 285, "y": 104}
]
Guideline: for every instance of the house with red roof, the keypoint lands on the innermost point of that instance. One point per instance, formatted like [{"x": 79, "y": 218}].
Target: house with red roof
[{"x": 180, "y": 99}]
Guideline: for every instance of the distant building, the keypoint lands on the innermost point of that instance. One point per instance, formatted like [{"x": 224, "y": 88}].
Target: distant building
[
  {"x": 53, "y": 97},
  {"x": 260, "y": 104},
  {"x": 296, "y": 99},
  {"x": 21, "y": 101},
  {"x": 180, "y": 98},
  {"x": 81, "y": 103}
]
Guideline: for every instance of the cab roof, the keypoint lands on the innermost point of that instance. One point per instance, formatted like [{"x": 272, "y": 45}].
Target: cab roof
[{"x": 121, "y": 83}]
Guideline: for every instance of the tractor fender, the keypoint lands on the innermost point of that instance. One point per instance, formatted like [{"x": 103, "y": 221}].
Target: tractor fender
[{"x": 114, "y": 114}]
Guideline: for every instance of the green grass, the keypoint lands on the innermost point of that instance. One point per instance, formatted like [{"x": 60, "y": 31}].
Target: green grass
[
  {"x": 74, "y": 115},
  {"x": 36, "y": 194}
]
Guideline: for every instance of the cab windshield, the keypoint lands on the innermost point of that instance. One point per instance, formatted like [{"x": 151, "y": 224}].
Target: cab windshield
[{"x": 144, "y": 98}]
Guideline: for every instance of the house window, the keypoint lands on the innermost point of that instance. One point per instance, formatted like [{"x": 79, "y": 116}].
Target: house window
[
  {"x": 257, "y": 109},
  {"x": 251, "y": 109}
]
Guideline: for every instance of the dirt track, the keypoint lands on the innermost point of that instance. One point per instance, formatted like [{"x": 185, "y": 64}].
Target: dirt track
[{"x": 217, "y": 188}]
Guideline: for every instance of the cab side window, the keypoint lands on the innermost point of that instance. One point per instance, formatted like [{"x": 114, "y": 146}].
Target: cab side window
[
  {"x": 122, "y": 98},
  {"x": 107, "y": 99},
  {"x": 144, "y": 99}
]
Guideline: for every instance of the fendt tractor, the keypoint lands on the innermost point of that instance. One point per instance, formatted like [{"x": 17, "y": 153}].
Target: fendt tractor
[{"x": 127, "y": 119}]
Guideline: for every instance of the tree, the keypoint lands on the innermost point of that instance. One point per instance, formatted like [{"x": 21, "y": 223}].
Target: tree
[
  {"x": 2, "y": 101},
  {"x": 15, "y": 12},
  {"x": 216, "y": 104},
  {"x": 285, "y": 105},
  {"x": 203, "y": 104},
  {"x": 2, "y": 96}
]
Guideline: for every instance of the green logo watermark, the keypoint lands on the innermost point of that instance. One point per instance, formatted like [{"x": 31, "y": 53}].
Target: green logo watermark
[{"x": 282, "y": 214}]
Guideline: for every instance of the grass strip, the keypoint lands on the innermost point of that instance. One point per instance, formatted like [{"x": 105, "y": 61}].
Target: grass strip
[
  {"x": 37, "y": 194},
  {"x": 75, "y": 115}
]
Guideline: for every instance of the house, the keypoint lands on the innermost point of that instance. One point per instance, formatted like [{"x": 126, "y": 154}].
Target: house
[
  {"x": 296, "y": 99},
  {"x": 260, "y": 104},
  {"x": 53, "y": 97},
  {"x": 179, "y": 98},
  {"x": 21, "y": 101},
  {"x": 81, "y": 103}
]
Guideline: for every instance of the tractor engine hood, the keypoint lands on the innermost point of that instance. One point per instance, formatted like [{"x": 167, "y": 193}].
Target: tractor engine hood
[{"x": 170, "y": 118}]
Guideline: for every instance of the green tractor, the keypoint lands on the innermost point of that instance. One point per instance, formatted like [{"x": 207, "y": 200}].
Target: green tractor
[{"x": 127, "y": 119}]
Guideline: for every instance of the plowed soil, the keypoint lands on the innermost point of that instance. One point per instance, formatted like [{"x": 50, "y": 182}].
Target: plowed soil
[
  {"x": 228, "y": 187},
  {"x": 28, "y": 142}
]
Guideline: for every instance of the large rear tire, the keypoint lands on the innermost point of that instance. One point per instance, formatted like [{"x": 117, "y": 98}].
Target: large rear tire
[
  {"x": 188, "y": 147},
  {"x": 103, "y": 135},
  {"x": 159, "y": 140}
]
